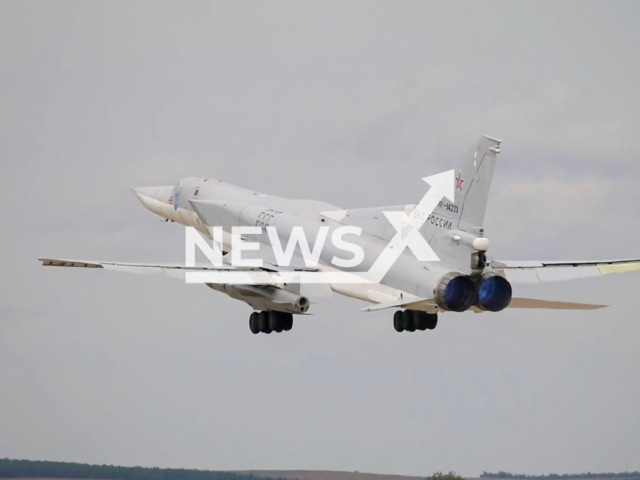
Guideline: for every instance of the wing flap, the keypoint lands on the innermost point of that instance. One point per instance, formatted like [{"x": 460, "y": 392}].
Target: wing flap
[
  {"x": 140, "y": 268},
  {"x": 55, "y": 262}
]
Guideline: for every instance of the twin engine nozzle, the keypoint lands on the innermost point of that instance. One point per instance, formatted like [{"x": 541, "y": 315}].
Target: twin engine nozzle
[{"x": 457, "y": 292}]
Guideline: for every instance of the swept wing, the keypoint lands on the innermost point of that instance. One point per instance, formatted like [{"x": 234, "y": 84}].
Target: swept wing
[{"x": 538, "y": 271}]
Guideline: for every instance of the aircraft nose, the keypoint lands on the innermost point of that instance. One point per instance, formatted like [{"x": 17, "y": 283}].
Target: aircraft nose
[{"x": 162, "y": 193}]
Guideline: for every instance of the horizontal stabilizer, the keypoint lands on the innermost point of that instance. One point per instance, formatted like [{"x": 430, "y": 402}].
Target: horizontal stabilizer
[{"x": 552, "y": 304}]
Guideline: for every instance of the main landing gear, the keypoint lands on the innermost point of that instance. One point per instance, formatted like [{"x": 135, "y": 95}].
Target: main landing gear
[
  {"x": 269, "y": 321},
  {"x": 411, "y": 320}
]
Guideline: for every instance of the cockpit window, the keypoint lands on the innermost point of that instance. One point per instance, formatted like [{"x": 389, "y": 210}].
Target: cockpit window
[{"x": 196, "y": 191}]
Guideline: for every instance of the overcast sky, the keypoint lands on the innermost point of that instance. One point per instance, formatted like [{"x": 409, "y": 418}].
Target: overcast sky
[{"x": 348, "y": 102}]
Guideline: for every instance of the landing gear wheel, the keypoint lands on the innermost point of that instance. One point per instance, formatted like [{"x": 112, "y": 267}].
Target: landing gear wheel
[
  {"x": 397, "y": 321},
  {"x": 254, "y": 323},
  {"x": 408, "y": 321},
  {"x": 275, "y": 321},
  {"x": 269, "y": 321},
  {"x": 263, "y": 322},
  {"x": 422, "y": 320},
  {"x": 287, "y": 321},
  {"x": 432, "y": 320}
]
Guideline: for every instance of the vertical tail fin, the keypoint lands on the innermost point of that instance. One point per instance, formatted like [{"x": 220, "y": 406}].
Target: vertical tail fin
[
  {"x": 473, "y": 179},
  {"x": 473, "y": 175}
]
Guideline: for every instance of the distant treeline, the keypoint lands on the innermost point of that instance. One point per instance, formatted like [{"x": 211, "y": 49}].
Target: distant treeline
[
  {"x": 38, "y": 469},
  {"x": 625, "y": 475}
]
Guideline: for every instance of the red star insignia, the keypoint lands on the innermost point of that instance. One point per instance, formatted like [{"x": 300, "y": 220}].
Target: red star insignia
[{"x": 459, "y": 181}]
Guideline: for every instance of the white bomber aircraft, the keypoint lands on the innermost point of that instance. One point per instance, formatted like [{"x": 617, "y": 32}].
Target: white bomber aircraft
[{"x": 415, "y": 285}]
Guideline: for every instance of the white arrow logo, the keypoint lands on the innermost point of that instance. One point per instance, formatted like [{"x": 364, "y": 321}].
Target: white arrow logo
[{"x": 408, "y": 226}]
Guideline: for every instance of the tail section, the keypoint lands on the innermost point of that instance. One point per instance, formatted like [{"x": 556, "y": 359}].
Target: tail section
[{"x": 473, "y": 175}]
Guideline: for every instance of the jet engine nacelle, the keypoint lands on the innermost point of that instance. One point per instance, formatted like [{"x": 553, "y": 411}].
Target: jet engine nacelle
[
  {"x": 494, "y": 292},
  {"x": 265, "y": 297},
  {"x": 455, "y": 292}
]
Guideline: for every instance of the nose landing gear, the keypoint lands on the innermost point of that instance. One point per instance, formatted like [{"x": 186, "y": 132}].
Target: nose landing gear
[
  {"x": 268, "y": 321},
  {"x": 411, "y": 320}
]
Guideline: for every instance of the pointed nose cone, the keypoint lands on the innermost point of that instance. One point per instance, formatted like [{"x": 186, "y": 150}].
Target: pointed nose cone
[
  {"x": 162, "y": 194},
  {"x": 158, "y": 200}
]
